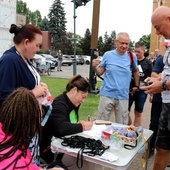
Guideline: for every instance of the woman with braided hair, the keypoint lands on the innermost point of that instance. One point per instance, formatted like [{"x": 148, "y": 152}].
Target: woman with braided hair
[{"x": 20, "y": 117}]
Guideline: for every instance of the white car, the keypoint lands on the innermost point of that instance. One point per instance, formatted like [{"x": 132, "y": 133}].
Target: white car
[
  {"x": 87, "y": 59},
  {"x": 48, "y": 60},
  {"x": 51, "y": 58}
]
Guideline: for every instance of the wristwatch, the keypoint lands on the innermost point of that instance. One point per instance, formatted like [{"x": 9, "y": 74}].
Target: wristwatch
[{"x": 164, "y": 86}]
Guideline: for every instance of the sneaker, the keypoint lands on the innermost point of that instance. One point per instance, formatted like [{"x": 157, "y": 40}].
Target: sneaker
[{"x": 151, "y": 152}]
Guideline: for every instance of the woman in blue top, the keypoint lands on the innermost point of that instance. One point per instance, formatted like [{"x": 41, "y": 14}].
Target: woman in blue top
[{"x": 15, "y": 68}]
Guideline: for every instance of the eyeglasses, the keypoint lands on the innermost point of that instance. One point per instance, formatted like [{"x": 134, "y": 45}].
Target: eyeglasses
[{"x": 123, "y": 43}]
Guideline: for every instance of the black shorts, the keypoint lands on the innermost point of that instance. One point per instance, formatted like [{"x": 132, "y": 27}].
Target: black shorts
[{"x": 163, "y": 135}]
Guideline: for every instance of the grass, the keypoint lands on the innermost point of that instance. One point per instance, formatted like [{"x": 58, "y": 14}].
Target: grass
[{"x": 57, "y": 86}]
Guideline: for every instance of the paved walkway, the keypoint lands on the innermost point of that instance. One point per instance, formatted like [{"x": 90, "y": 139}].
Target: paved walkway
[{"x": 136, "y": 164}]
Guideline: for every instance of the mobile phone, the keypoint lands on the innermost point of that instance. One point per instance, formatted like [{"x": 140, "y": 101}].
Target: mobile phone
[{"x": 147, "y": 83}]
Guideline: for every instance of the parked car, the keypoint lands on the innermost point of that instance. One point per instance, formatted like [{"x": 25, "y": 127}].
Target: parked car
[
  {"x": 79, "y": 59},
  {"x": 87, "y": 59},
  {"x": 67, "y": 60},
  {"x": 51, "y": 58}
]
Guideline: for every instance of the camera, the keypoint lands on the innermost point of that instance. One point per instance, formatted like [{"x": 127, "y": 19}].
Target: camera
[{"x": 147, "y": 83}]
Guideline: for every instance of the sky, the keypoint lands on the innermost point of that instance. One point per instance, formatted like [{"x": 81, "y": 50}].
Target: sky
[{"x": 131, "y": 16}]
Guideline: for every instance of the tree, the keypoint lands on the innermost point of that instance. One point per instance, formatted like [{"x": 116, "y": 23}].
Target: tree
[
  {"x": 44, "y": 25},
  {"x": 35, "y": 18},
  {"x": 31, "y": 17},
  {"x": 57, "y": 24},
  {"x": 100, "y": 45},
  {"x": 108, "y": 43},
  {"x": 85, "y": 43},
  {"x": 146, "y": 40},
  {"x": 22, "y": 7}
]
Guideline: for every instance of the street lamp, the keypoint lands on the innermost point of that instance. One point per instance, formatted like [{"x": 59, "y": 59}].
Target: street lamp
[
  {"x": 74, "y": 60},
  {"x": 77, "y": 3}
]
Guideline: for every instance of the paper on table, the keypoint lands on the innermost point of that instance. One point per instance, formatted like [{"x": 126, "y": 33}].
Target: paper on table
[
  {"x": 95, "y": 131},
  {"x": 109, "y": 157}
]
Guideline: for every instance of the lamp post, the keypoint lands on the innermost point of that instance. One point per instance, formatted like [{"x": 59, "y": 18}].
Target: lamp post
[
  {"x": 74, "y": 60},
  {"x": 76, "y": 3}
]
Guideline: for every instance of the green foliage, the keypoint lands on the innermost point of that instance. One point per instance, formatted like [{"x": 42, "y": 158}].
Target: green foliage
[
  {"x": 108, "y": 43},
  {"x": 57, "y": 24},
  {"x": 146, "y": 40},
  {"x": 85, "y": 43},
  {"x": 100, "y": 46},
  {"x": 57, "y": 86},
  {"x": 22, "y": 7},
  {"x": 33, "y": 17},
  {"x": 44, "y": 24}
]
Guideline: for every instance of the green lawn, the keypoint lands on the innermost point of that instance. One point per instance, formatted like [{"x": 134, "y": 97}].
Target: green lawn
[{"x": 57, "y": 86}]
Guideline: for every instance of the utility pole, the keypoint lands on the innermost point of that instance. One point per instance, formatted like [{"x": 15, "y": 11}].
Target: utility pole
[
  {"x": 76, "y": 3},
  {"x": 94, "y": 45},
  {"x": 74, "y": 60}
]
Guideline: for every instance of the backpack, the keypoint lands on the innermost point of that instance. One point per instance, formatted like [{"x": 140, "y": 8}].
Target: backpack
[{"x": 132, "y": 83}]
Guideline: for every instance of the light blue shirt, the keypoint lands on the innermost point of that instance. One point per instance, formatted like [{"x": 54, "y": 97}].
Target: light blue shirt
[{"x": 117, "y": 75}]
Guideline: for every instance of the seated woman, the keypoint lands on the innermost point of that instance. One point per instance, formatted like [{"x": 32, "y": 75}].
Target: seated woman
[
  {"x": 64, "y": 119},
  {"x": 20, "y": 117}
]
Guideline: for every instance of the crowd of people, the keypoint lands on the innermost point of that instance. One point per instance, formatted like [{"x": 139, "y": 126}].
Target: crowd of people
[{"x": 22, "y": 93}]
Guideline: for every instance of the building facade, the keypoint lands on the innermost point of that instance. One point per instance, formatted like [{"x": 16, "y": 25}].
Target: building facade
[{"x": 157, "y": 41}]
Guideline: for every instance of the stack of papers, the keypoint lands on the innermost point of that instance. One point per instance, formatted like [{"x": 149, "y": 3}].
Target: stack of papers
[
  {"x": 95, "y": 131},
  {"x": 109, "y": 157}
]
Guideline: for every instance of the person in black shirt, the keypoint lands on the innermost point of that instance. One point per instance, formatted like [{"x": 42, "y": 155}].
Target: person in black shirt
[
  {"x": 64, "y": 119},
  {"x": 139, "y": 97}
]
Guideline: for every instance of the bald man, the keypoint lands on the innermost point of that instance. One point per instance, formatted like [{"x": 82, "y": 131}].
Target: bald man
[{"x": 161, "y": 22}]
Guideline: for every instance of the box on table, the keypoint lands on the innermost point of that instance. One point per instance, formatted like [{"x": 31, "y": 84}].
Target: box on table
[{"x": 128, "y": 135}]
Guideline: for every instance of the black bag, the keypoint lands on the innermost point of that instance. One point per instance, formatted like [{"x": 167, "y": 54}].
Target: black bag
[
  {"x": 132, "y": 83},
  {"x": 89, "y": 146}
]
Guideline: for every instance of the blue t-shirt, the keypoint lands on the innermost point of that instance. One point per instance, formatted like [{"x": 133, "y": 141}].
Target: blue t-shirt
[{"x": 117, "y": 75}]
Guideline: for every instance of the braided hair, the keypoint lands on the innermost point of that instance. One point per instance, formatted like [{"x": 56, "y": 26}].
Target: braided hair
[{"x": 20, "y": 116}]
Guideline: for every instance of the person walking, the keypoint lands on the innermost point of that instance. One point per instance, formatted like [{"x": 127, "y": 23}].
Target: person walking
[
  {"x": 60, "y": 59},
  {"x": 139, "y": 97},
  {"x": 114, "y": 91},
  {"x": 43, "y": 65},
  {"x": 160, "y": 21}
]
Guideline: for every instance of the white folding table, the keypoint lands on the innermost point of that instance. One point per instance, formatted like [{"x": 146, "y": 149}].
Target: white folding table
[{"x": 125, "y": 156}]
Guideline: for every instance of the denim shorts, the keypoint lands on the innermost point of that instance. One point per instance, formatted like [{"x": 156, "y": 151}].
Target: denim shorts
[
  {"x": 163, "y": 135},
  {"x": 139, "y": 98}
]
